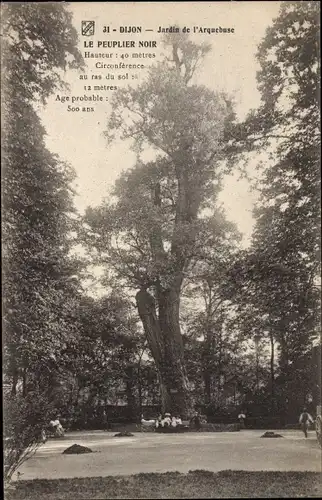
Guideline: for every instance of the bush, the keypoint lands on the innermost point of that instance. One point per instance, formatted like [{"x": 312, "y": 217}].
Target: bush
[
  {"x": 209, "y": 427},
  {"x": 23, "y": 423},
  {"x": 260, "y": 422}
]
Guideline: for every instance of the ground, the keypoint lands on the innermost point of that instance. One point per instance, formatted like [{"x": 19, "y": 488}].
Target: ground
[
  {"x": 151, "y": 452},
  {"x": 195, "y": 484},
  {"x": 190, "y": 465}
]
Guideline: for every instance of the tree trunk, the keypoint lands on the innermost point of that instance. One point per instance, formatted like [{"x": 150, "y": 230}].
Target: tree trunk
[
  {"x": 165, "y": 341},
  {"x": 15, "y": 379},
  {"x": 207, "y": 367},
  {"x": 24, "y": 382},
  {"x": 130, "y": 387},
  {"x": 272, "y": 372},
  {"x": 207, "y": 388},
  {"x": 140, "y": 387}
]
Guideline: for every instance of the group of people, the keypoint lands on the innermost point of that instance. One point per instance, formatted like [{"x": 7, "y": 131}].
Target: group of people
[
  {"x": 305, "y": 420},
  {"x": 168, "y": 421},
  {"x": 163, "y": 421}
]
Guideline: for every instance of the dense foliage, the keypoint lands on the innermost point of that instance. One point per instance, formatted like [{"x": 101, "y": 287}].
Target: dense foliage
[
  {"x": 278, "y": 278},
  {"x": 39, "y": 281}
]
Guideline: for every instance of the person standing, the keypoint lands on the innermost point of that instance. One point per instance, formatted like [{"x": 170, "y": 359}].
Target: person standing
[
  {"x": 241, "y": 419},
  {"x": 59, "y": 429},
  {"x": 43, "y": 436},
  {"x": 305, "y": 420},
  {"x": 105, "y": 421},
  {"x": 196, "y": 422}
]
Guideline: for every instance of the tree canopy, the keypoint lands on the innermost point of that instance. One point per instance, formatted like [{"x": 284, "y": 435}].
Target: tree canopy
[
  {"x": 277, "y": 277},
  {"x": 40, "y": 278},
  {"x": 164, "y": 215}
]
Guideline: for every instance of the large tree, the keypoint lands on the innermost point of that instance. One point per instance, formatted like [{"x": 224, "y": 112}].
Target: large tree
[
  {"x": 40, "y": 283},
  {"x": 100, "y": 361},
  {"x": 157, "y": 227},
  {"x": 207, "y": 315},
  {"x": 278, "y": 276},
  {"x": 39, "y": 276}
]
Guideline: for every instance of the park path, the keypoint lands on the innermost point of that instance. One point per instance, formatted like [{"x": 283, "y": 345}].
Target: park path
[{"x": 151, "y": 452}]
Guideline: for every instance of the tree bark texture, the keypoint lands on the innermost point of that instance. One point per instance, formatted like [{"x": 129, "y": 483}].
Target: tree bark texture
[
  {"x": 15, "y": 379},
  {"x": 165, "y": 341},
  {"x": 272, "y": 371},
  {"x": 130, "y": 391},
  {"x": 207, "y": 388},
  {"x": 207, "y": 369},
  {"x": 24, "y": 382}
]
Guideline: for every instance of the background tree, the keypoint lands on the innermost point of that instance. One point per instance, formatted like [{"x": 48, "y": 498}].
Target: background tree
[
  {"x": 154, "y": 229},
  {"x": 279, "y": 275},
  {"x": 40, "y": 283},
  {"x": 104, "y": 362},
  {"x": 208, "y": 312}
]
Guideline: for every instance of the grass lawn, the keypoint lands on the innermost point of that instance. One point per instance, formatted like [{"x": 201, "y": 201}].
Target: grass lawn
[{"x": 195, "y": 484}]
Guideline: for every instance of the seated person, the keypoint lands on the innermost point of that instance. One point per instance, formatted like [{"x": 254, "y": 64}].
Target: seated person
[
  {"x": 173, "y": 422},
  {"x": 53, "y": 424},
  {"x": 57, "y": 427},
  {"x": 167, "y": 420},
  {"x": 179, "y": 421}
]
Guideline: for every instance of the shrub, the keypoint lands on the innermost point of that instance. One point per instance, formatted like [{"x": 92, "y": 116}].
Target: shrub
[
  {"x": 219, "y": 428},
  {"x": 23, "y": 423}
]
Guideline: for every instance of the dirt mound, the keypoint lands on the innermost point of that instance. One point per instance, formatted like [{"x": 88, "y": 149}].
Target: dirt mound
[
  {"x": 271, "y": 434},
  {"x": 77, "y": 449},
  {"x": 123, "y": 434}
]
